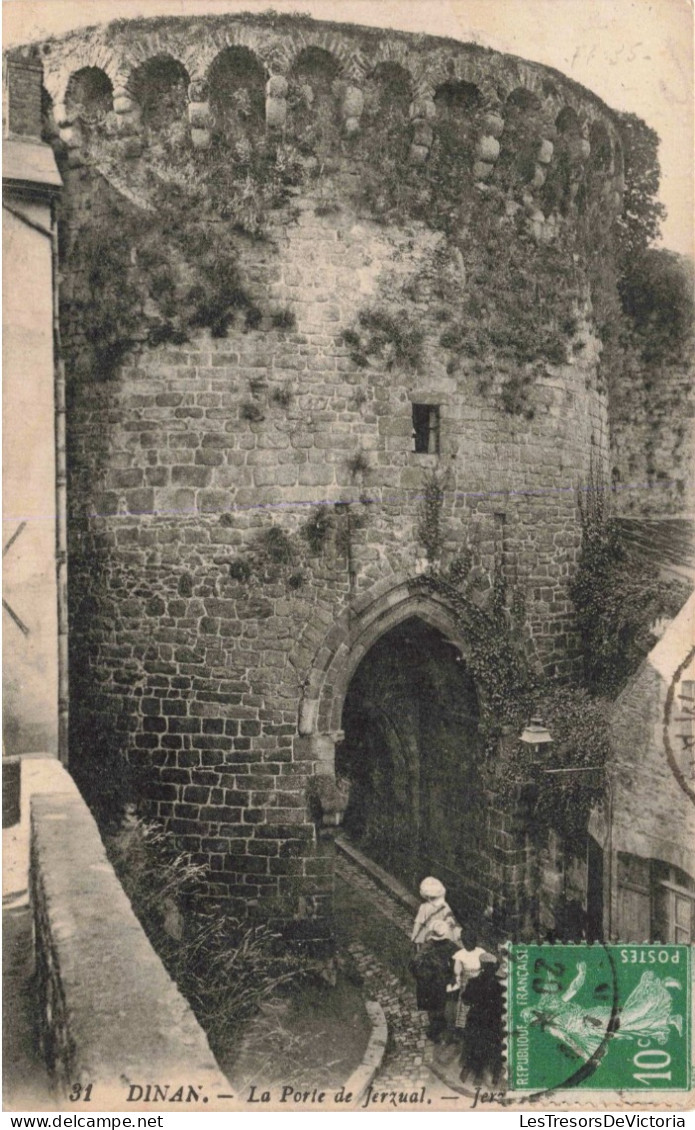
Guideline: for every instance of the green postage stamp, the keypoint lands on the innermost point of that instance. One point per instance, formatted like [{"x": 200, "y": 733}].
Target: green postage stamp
[{"x": 600, "y": 1017}]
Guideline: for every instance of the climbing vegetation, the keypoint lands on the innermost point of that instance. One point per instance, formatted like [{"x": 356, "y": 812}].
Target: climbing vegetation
[
  {"x": 157, "y": 255},
  {"x": 429, "y": 529},
  {"x": 317, "y": 528},
  {"x": 142, "y": 276},
  {"x": 512, "y": 689},
  {"x": 391, "y": 339},
  {"x": 278, "y": 555},
  {"x": 618, "y": 598},
  {"x": 224, "y": 967}
]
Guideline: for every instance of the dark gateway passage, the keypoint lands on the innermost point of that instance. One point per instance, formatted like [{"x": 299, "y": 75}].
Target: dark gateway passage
[{"x": 411, "y": 753}]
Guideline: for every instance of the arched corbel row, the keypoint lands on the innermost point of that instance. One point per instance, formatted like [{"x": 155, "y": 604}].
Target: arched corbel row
[{"x": 278, "y": 50}]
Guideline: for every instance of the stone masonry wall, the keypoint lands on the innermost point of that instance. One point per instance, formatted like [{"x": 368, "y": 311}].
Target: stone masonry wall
[
  {"x": 202, "y": 670},
  {"x": 653, "y": 439},
  {"x": 110, "y": 1014},
  {"x": 22, "y": 104}
]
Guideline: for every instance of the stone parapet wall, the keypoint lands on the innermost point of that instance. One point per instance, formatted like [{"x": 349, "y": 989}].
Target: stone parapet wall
[{"x": 110, "y": 1015}]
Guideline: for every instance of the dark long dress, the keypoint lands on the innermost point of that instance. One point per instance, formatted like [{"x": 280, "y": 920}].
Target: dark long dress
[
  {"x": 433, "y": 970},
  {"x": 482, "y": 1039}
]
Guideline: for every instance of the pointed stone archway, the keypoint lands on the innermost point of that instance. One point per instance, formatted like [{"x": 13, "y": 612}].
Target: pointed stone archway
[
  {"x": 411, "y": 751},
  {"x": 353, "y": 634},
  {"x": 391, "y": 705}
]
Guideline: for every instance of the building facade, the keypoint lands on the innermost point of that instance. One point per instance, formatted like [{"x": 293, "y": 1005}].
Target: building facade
[{"x": 35, "y": 710}]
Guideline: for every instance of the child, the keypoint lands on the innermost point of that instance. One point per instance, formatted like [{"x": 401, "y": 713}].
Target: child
[
  {"x": 466, "y": 966},
  {"x": 482, "y": 1041},
  {"x": 435, "y": 908}
]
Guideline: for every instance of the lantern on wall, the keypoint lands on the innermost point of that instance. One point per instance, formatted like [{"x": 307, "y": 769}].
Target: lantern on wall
[{"x": 535, "y": 734}]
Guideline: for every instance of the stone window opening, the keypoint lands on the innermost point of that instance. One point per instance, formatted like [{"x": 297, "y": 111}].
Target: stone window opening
[{"x": 426, "y": 429}]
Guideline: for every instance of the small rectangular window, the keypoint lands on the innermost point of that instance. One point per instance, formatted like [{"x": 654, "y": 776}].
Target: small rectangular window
[{"x": 426, "y": 429}]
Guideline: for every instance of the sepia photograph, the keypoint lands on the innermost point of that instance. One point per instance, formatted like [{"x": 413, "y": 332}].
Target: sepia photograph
[{"x": 348, "y": 557}]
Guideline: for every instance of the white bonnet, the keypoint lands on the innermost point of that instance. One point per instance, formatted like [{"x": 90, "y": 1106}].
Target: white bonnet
[{"x": 431, "y": 888}]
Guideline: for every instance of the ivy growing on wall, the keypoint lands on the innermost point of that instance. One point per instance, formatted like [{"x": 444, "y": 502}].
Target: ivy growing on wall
[
  {"x": 511, "y": 690},
  {"x": 568, "y": 778},
  {"x": 316, "y": 530},
  {"x": 497, "y": 655},
  {"x": 526, "y": 292},
  {"x": 521, "y": 304},
  {"x": 156, "y": 255},
  {"x": 392, "y": 338},
  {"x": 658, "y": 300},
  {"x": 136, "y": 276},
  {"x": 277, "y": 554},
  {"x": 522, "y": 298},
  {"x": 617, "y": 597},
  {"x": 274, "y": 555},
  {"x": 429, "y": 530}
]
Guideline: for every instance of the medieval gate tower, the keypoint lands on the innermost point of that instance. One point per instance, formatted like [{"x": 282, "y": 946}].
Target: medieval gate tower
[{"x": 329, "y": 319}]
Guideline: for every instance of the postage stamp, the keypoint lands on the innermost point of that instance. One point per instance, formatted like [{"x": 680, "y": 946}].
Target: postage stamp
[{"x": 601, "y": 1017}]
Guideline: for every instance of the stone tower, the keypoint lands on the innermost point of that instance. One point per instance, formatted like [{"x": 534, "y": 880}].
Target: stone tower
[{"x": 328, "y": 306}]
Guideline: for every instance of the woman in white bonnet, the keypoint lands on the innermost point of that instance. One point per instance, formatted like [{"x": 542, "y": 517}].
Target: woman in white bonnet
[{"x": 434, "y": 908}]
